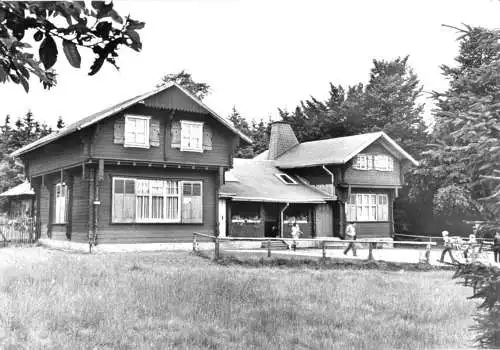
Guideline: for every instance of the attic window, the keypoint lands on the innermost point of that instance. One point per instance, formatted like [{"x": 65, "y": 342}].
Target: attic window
[{"x": 286, "y": 179}]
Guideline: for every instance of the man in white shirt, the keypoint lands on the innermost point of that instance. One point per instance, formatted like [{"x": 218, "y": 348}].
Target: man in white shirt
[{"x": 350, "y": 234}]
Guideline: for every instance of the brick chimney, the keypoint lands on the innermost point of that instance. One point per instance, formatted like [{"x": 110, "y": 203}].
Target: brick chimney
[{"x": 282, "y": 139}]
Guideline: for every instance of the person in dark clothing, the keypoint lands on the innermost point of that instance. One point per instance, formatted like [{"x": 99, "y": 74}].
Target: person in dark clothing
[{"x": 496, "y": 247}]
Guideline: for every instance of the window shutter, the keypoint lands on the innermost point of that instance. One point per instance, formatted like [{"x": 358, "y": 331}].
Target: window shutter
[
  {"x": 207, "y": 137},
  {"x": 119, "y": 134},
  {"x": 154, "y": 133},
  {"x": 192, "y": 203},
  {"x": 175, "y": 132}
]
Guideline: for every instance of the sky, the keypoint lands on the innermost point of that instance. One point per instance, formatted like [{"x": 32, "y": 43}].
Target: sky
[{"x": 259, "y": 55}]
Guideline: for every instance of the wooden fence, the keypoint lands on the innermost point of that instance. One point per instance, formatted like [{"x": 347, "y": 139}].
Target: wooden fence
[
  {"x": 18, "y": 230},
  {"x": 323, "y": 243}
]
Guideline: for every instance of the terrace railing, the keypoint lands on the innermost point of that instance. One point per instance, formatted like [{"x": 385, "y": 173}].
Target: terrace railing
[{"x": 323, "y": 243}]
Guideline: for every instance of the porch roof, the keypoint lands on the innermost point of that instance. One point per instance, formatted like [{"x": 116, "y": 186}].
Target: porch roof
[
  {"x": 256, "y": 181},
  {"x": 23, "y": 189}
]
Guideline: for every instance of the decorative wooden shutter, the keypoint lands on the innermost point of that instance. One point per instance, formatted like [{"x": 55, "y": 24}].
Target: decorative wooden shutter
[
  {"x": 119, "y": 134},
  {"x": 175, "y": 132},
  {"x": 192, "y": 202},
  {"x": 154, "y": 133},
  {"x": 207, "y": 137}
]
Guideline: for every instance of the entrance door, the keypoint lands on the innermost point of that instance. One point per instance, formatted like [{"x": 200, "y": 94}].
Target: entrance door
[
  {"x": 222, "y": 217},
  {"x": 323, "y": 216}
]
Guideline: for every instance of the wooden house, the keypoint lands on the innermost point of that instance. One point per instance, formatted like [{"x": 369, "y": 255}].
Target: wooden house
[
  {"x": 321, "y": 185},
  {"x": 147, "y": 170},
  {"x": 20, "y": 201}
]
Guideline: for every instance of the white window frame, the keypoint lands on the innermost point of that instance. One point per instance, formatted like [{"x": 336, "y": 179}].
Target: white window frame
[
  {"x": 150, "y": 201},
  {"x": 366, "y": 207},
  {"x": 384, "y": 162},
  {"x": 363, "y": 162},
  {"x": 60, "y": 212},
  {"x": 128, "y": 143},
  {"x": 281, "y": 175},
  {"x": 187, "y": 125}
]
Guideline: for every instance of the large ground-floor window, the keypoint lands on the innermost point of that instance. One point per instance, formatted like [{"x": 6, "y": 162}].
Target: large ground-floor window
[
  {"x": 156, "y": 201},
  {"x": 367, "y": 207}
]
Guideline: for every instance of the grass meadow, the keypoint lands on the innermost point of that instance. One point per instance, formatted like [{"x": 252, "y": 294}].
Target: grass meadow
[{"x": 53, "y": 299}]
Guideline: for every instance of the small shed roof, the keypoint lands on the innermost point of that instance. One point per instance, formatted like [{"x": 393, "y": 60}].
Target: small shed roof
[
  {"x": 334, "y": 151},
  {"x": 256, "y": 181},
  {"x": 23, "y": 189},
  {"x": 96, "y": 117}
]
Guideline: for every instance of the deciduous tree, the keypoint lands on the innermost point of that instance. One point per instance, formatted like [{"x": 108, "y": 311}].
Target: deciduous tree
[{"x": 56, "y": 25}]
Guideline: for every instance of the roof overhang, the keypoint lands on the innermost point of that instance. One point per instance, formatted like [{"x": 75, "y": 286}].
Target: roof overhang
[
  {"x": 272, "y": 200},
  {"x": 118, "y": 108},
  {"x": 385, "y": 137}
]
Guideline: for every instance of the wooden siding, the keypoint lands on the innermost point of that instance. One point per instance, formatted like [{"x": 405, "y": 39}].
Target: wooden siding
[
  {"x": 79, "y": 209},
  {"x": 323, "y": 219},
  {"x": 44, "y": 210},
  {"x": 108, "y": 232},
  {"x": 373, "y": 229},
  {"x": 61, "y": 153},
  {"x": 103, "y": 146},
  {"x": 376, "y": 228},
  {"x": 373, "y": 177},
  {"x": 174, "y": 98}
]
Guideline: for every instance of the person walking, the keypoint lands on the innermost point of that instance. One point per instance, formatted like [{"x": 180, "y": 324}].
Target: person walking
[
  {"x": 350, "y": 234},
  {"x": 496, "y": 247},
  {"x": 447, "y": 247}
]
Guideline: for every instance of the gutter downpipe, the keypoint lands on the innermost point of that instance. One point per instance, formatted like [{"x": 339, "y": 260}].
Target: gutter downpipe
[
  {"x": 281, "y": 217},
  {"x": 333, "y": 179}
]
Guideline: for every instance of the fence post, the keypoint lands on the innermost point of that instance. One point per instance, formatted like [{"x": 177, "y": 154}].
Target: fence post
[
  {"x": 216, "y": 249},
  {"x": 370, "y": 251},
  {"x": 194, "y": 242},
  {"x": 324, "y": 250},
  {"x": 268, "y": 248}
]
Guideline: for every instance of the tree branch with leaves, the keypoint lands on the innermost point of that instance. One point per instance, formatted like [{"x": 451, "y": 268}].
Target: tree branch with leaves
[{"x": 99, "y": 28}]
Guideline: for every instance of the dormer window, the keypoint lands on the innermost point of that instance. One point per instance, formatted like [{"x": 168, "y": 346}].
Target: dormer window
[
  {"x": 136, "y": 131},
  {"x": 286, "y": 179},
  {"x": 191, "y": 136}
]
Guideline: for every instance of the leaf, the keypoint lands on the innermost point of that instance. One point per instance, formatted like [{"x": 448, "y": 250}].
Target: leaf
[
  {"x": 136, "y": 40},
  {"x": 96, "y": 66},
  {"x": 48, "y": 52},
  {"x": 134, "y": 25},
  {"x": 24, "y": 83},
  {"x": 38, "y": 35},
  {"x": 72, "y": 54}
]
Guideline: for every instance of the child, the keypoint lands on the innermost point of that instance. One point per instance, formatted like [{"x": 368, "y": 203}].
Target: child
[
  {"x": 447, "y": 247},
  {"x": 296, "y": 232},
  {"x": 350, "y": 234},
  {"x": 496, "y": 247},
  {"x": 470, "y": 246}
]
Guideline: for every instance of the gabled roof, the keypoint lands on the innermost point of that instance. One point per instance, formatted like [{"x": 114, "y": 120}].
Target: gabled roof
[
  {"x": 334, "y": 151},
  {"x": 23, "y": 189},
  {"x": 96, "y": 117},
  {"x": 256, "y": 180}
]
